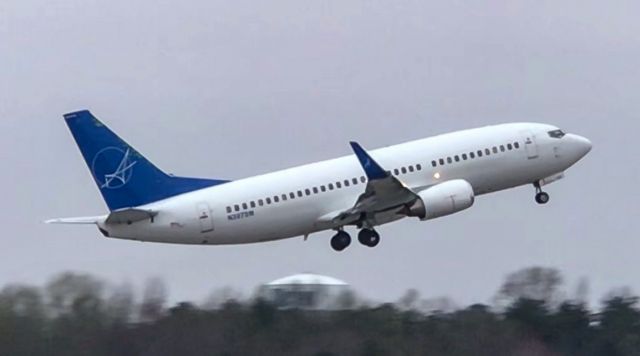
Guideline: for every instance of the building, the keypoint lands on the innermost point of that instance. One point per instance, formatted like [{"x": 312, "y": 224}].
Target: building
[{"x": 308, "y": 291}]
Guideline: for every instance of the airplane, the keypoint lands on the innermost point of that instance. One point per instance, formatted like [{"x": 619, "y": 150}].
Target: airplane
[{"x": 426, "y": 179}]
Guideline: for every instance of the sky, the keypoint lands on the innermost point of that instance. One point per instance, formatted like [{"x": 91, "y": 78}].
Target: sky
[{"x": 230, "y": 89}]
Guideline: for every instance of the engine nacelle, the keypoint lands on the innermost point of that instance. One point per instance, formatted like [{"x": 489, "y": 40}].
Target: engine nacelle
[{"x": 442, "y": 199}]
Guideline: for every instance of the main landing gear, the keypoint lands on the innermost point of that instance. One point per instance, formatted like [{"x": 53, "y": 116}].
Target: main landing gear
[
  {"x": 541, "y": 197},
  {"x": 367, "y": 237}
]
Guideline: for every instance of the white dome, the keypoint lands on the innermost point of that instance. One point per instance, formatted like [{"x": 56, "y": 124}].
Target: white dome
[{"x": 307, "y": 279}]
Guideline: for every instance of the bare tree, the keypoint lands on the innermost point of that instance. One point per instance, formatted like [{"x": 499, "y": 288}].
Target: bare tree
[
  {"x": 119, "y": 304},
  {"x": 619, "y": 292},
  {"x": 22, "y": 300},
  {"x": 347, "y": 299},
  {"x": 68, "y": 289},
  {"x": 582, "y": 291},
  {"x": 409, "y": 299},
  {"x": 154, "y": 298},
  {"x": 219, "y": 297},
  {"x": 437, "y": 305},
  {"x": 537, "y": 283}
]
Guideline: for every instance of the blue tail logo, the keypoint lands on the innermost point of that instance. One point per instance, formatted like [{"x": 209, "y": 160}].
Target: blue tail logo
[
  {"x": 367, "y": 163},
  {"x": 126, "y": 178},
  {"x": 122, "y": 173}
]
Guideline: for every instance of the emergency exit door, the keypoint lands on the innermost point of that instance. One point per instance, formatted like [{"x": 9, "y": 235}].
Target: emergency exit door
[
  {"x": 205, "y": 218},
  {"x": 530, "y": 145}
]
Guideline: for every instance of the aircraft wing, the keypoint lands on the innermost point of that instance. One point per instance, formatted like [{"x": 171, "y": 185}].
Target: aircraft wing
[{"x": 383, "y": 193}]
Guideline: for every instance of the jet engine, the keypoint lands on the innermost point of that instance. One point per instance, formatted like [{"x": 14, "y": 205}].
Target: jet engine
[{"x": 442, "y": 199}]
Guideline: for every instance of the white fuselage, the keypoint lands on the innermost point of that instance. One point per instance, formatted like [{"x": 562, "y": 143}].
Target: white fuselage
[{"x": 239, "y": 212}]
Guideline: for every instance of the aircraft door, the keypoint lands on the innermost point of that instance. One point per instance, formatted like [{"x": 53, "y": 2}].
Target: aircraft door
[
  {"x": 530, "y": 145},
  {"x": 205, "y": 218}
]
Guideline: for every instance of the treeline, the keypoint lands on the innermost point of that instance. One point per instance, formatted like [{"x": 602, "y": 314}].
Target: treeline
[{"x": 76, "y": 314}]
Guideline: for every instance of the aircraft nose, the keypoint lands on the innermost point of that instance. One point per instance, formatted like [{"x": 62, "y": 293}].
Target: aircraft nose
[
  {"x": 583, "y": 144},
  {"x": 579, "y": 145}
]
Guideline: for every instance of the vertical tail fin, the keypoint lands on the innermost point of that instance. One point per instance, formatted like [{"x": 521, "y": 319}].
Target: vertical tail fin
[{"x": 125, "y": 178}]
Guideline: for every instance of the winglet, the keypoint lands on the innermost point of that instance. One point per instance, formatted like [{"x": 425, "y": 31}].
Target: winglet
[{"x": 370, "y": 166}]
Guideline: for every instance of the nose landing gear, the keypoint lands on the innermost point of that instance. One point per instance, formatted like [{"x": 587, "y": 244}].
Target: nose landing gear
[{"x": 541, "y": 197}]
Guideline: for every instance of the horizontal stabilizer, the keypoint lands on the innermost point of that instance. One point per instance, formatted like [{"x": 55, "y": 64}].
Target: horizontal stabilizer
[
  {"x": 86, "y": 220},
  {"x": 128, "y": 216}
]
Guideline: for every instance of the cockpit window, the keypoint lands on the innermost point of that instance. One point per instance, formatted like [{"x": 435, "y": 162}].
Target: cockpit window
[{"x": 556, "y": 133}]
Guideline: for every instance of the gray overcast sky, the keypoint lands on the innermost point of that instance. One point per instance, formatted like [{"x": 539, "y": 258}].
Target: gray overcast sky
[{"x": 229, "y": 89}]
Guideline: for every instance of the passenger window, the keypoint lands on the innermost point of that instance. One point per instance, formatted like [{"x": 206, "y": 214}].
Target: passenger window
[
  {"x": 284, "y": 197},
  {"x": 228, "y": 209},
  {"x": 516, "y": 145},
  {"x": 363, "y": 179},
  {"x": 396, "y": 171},
  {"x": 338, "y": 185},
  {"x": 252, "y": 204},
  {"x": 236, "y": 207},
  {"x": 456, "y": 158},
  {"x": 307, "y": 192},
  {"x": 268, "y": 200},
  {"x": 449, "y": 160},
  {"x": 441, "y": 161},
  {"x": 472, "y": 155},
  {"x": 502, "y": 148},
  {"x": 509, "y": 146},
  {"x": 354, "y": 181},
  {"x": 495, "y": 149},
  {"x": 487, "y": 151},
  {"x": 244, "y": 206},
  {"x": 330, "y": 186},
  {"x": 260, "y": 202},
  {"x": 419, "y": 166},
  {"x": 464, "y": 156},
  {"x": 323, "y": 188},
  {"x": 434, "y": 163},
  {"x": 300, "y": 193},
  {"x": 346, "y": 182},
  {"x": 276, "y": 199},
  {"x": 315, "y": 190},
  {"x": 479, "y": 153},
  {"x": 410, "y": 168},
  {"x": 404, "y": 170},
  {"x": 292, "y": 195}
]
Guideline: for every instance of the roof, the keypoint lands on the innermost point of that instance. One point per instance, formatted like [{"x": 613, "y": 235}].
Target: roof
[{"x": 308, "y": 279}]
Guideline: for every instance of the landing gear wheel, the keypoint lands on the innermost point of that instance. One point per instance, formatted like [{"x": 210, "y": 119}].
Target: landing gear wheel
[
  {"x": 340, "y": 241},
  {"x": 542, "y": 198},
  {"x": 368, "y": 237}
]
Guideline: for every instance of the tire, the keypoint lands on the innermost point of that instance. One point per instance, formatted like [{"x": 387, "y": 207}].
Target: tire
[
  {"x": 368, "y": 237},
  {"x": 340, "y": 241},
  {"x": 374, "y": 240},
  {"x": 542, "y": 198}
]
